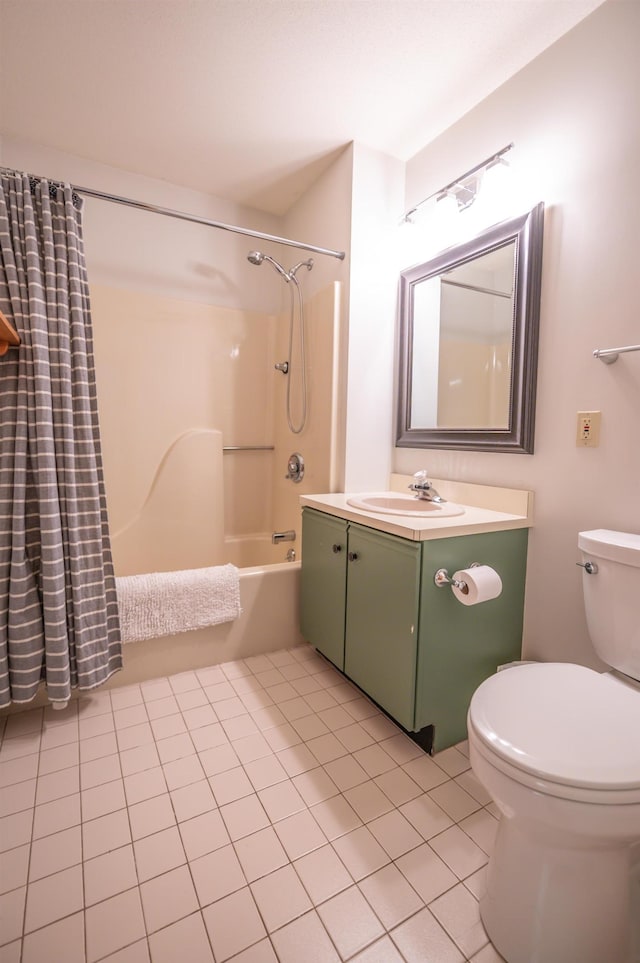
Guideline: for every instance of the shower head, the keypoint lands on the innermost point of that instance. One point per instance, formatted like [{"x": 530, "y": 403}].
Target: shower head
[{"x": 257, "y": 257}]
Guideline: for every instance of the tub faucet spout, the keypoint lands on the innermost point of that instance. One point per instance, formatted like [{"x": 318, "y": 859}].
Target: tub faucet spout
[{"x": 288, "y": 536}]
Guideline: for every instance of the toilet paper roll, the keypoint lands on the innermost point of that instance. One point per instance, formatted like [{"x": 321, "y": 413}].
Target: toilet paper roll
[{"x": 481, "y": 584}]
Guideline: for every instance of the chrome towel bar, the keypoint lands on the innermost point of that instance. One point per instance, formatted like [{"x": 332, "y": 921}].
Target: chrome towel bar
[
  {"x": 248, "y": 448},
  {"x": 609, "y": 355}
]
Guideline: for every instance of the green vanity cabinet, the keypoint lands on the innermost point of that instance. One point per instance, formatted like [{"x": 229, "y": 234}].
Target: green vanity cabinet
[
  {"x": 381, "y": 627},
  {"x": 462, "y": 645},
  {"x": 360, "y": 594},
  {"x": 370, "y": 605},
  {"x": 322, "y": 583}
]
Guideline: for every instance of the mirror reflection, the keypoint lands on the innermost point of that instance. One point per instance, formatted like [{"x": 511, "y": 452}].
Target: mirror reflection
[
  {"x": 468, "y": 342},
  {"x": 463, "y": 322}
]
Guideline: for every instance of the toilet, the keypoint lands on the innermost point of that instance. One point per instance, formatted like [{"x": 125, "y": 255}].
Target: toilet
[{"x": 557, "y": 746}]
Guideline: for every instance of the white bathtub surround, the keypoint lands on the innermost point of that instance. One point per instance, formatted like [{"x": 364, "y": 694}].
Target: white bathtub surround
[
  {"x": 164, "y": 603},
  {"x": 182, "y": 489},
  {"x": 173, "y": 527}
]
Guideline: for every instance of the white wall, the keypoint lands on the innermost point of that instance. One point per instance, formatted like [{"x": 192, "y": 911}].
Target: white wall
[
  {"x": 355, "y": 206},
  {"x": 322, "y": 217},
  {"x": 378, "y": 182},
  {"x": 323, "y": 214},
  {"x": 141, "y": 251},
  {"x": 574, "y": 115}
]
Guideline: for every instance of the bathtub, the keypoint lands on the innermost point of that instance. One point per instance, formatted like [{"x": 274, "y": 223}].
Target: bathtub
[
  {"x": 269, "y": 596},
  {"x": 270, "y": 601},
  {"x": 171, "y": 533}
]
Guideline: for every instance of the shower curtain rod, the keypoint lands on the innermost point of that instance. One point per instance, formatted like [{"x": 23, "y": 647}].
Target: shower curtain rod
[{"x": 180, "y": 215}]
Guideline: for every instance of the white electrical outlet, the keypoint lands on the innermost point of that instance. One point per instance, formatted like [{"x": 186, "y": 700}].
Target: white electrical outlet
[{"x": 588, "y": 429}]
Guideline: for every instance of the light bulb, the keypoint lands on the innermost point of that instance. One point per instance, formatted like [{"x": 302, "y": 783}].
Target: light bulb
[
  {"x": 496, "y": 195},
  {"x": 445, "y": 220}
]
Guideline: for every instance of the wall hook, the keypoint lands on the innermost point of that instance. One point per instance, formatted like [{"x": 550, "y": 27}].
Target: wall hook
[{"x": 8, "y": 335}]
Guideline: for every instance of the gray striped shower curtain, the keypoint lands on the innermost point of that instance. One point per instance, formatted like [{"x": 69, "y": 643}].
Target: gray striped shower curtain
[{"x": 58, "y": 606}]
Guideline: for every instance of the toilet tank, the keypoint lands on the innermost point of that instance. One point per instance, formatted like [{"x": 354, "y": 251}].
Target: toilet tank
[{"x": 612, "y": 597}]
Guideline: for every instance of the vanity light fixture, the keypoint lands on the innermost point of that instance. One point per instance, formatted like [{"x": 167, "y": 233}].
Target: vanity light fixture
[
  {"x": 463, "y": 192},
  {"x": 464, "y": 188}
]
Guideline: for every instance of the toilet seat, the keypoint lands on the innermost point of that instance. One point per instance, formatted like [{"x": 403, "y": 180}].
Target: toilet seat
[{"x": 562, "y": 729}]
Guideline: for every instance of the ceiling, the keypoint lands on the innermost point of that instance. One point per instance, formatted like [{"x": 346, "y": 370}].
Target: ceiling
[{"x": 251, "y": 100}]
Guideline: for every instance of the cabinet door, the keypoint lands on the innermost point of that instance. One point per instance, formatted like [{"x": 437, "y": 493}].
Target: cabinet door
[
  {"x": 383, "y": 578},
  {"x": 461, "y": 645},
  {"x": 323, "y": 583}
]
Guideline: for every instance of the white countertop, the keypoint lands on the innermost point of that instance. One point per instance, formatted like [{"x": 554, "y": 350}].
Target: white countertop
[{"x": 476, "y": 518}]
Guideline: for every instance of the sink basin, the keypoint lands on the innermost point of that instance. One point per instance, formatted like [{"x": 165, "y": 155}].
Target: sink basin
[{"x": 395, "y": 503}]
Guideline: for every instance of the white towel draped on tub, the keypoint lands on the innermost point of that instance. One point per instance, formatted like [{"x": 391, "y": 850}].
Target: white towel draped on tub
[{"x": 165, "y": 603}]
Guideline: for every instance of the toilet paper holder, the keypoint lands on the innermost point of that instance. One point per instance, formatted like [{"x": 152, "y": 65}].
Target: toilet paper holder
[{"x": 441, "y": 578}]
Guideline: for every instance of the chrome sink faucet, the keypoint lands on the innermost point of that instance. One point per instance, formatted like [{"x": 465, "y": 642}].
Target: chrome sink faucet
[{"x": 424, "y": 489}]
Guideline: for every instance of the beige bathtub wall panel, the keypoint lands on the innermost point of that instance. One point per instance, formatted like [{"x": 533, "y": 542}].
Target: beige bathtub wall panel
[
  {"x": 248, "y": 492},
  {"x": 246, "y": 551},
  {"x": 467, "y": 385},
  {"x": 165, "y": 366},
  {"x": 315, "y": 441},
  {"x": 501, "y": 381},
  {"x": 180, "y": 525}
]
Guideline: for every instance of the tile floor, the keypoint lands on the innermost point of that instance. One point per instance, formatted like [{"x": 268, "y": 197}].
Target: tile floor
[{"x": 257, "y": 811}]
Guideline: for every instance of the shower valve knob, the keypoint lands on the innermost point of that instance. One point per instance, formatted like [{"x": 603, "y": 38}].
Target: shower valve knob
[{"x": 295, "y": 467}]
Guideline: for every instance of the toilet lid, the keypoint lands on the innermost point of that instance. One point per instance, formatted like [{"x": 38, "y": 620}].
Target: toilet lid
[{"x": 562, "y": 722}]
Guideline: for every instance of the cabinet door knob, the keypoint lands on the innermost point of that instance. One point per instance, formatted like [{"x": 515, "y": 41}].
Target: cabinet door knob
[
  {"x": 352, "y": 556},
  {"x": 336, "y": 548}
]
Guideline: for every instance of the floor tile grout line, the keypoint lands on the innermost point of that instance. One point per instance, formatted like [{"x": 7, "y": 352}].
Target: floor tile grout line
[
  {"x": 269, "y": 932},
  {"x": 233, "y": 842},
  {"x": 33, "y": 816},
  {"x": 273, "y": 823},
  {"x": 256, "y": 791},
  {"x": 200, "y": 907},
  {"x": 136, "y": 858},
  {"x": 449, "y": 777},
  {"x": 353, "y": 883},
  {"x": 339, "y": 792}
]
